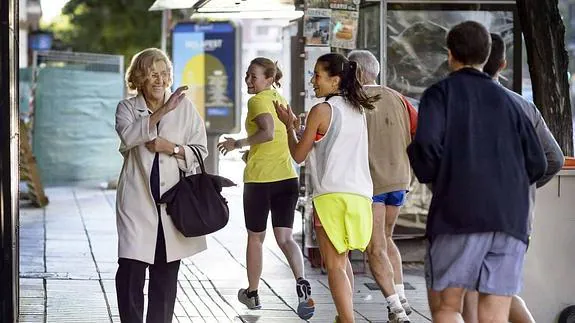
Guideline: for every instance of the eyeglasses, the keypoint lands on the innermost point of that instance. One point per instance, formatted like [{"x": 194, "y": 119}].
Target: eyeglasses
[{"x": 159, "y": 76}]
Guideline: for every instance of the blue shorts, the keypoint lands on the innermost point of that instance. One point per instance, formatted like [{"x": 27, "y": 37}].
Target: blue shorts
[
  {"x": 396, "y": 198},
  {"x": 490, "y": 263}
]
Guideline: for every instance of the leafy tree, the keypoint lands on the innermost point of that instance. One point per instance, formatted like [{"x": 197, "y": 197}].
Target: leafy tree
[{"x": 121, "y": 27}]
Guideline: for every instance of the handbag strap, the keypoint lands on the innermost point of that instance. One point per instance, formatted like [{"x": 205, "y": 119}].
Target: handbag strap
[{"x": 196, "y": 151}]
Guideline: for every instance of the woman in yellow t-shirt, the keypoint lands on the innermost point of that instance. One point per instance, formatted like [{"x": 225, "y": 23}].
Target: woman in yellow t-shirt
[{"x": 270, "y": 183}]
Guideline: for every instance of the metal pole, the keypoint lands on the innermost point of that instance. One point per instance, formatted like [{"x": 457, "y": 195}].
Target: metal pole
[
  {"x": 9, "y": 160},
  {"x": 212, "y": 162},
  {"x": 383, "y": 40},
  {"x": 164, "y": 39}
]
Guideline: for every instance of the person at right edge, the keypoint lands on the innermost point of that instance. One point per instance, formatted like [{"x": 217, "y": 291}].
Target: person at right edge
[
  {"x": 519, "y": 313},
  {"x": 480, "y": 153}
]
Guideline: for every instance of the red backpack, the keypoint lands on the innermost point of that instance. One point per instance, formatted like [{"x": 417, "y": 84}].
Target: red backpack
[
  {"x": 411, "y": 112},
  {"x": 412, "y": 116}
]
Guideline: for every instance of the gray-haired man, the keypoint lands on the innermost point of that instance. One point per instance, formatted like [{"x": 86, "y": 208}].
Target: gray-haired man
[{"x": 388, "y": 127}]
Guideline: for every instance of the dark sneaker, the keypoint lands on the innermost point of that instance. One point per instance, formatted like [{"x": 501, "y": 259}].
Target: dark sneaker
[
  {"x": 306, "y": 305},
  {"x": 397, "y": 315},
  {"x": 252, "y": 301}
]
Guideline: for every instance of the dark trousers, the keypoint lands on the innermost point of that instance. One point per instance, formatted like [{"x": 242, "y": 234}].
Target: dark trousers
[{"x": 162, "y": 287}]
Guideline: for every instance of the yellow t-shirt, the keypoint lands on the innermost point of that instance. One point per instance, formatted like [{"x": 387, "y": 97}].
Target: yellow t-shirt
[{"x": 270, "y": 161}]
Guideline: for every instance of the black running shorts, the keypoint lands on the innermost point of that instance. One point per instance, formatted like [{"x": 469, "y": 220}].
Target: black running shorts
[{"x": 278, "y": 197}]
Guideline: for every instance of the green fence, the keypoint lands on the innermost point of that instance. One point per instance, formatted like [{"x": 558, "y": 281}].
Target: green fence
[{"x": 73, "y": 132}]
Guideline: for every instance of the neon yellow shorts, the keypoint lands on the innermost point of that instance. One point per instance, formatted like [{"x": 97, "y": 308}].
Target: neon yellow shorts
[{"x": 346, "y": 218}]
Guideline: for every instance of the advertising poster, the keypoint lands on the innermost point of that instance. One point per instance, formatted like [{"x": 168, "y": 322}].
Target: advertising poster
[
  {"x": 317, "y": 4},
  {"x": 312, "y": 54},
  {"x": 316, "y": 27},
  {"x": 344, "y": 28},
  {"x": 204, "y": 58},
  {"x": 344, "y": 4}
]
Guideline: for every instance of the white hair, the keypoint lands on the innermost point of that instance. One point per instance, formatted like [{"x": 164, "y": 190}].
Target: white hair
[{"x": 368, "y": 64}]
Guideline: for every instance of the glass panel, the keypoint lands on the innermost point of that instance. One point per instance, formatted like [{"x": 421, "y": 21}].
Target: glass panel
[
  {"x": 368, "y": 31},
  {"x": 417, "y": 54}
]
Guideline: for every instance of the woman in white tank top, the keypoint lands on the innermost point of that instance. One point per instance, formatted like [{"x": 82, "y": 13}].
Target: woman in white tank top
[{"x": 335, "y": 145}]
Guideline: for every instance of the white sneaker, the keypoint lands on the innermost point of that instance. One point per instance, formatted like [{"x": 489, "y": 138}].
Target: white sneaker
[
  {"x": 397, "y": 315},
  {"x": 405, "y": 306}
]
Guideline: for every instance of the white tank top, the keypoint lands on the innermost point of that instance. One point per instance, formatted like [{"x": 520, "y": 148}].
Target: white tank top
[{"x": 339, "y": 161}]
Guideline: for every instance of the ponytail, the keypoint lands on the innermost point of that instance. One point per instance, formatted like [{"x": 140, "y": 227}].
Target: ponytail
[
  {"x": 350, "y": 87},
  {"x": 278, "y": 76}
]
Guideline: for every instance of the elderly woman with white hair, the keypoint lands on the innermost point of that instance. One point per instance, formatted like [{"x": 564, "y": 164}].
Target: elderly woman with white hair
[{"x": 156, "y": 129}]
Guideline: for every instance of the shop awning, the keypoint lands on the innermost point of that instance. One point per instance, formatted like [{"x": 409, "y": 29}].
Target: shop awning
[
  {"x": 224, "y": 5},
  {"x": 237, "y": 9},
  {"x": 173, "y": 4}
]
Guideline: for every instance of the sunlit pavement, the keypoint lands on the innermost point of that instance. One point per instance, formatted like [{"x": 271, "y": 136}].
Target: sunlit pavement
[{"x": 68, "y": 257}]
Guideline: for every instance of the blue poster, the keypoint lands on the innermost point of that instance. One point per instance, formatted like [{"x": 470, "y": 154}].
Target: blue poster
[{"x": 205, "y": 59}]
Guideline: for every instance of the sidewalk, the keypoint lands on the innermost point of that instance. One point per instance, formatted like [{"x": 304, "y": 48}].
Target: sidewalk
[{"x": 68, "y": 261}]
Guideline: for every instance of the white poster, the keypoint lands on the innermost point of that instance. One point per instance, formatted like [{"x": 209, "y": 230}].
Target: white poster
[
  {"x": 344, "y": 28},
  {"x": 312, "y": 54}
]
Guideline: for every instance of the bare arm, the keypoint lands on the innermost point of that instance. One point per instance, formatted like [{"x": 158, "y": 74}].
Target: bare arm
[
  {"x": 318, "y": 119},
  {"x": 265, "y": 133}
]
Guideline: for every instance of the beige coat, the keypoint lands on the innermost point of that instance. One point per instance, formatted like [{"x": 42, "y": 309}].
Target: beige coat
[{"x": 136, "y": 214}]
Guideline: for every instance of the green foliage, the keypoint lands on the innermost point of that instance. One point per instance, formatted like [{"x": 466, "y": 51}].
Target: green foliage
[{"x": 121, "y": 27}]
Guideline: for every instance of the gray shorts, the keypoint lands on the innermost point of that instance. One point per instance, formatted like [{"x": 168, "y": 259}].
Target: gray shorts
[{"x": 491, "y": 263}]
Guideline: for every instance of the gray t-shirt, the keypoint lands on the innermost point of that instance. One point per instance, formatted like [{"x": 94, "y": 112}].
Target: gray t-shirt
[{"x": 553, "y": 153}]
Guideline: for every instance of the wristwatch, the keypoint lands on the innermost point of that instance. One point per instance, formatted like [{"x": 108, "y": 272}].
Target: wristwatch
[{"x": 176, "y": 150}]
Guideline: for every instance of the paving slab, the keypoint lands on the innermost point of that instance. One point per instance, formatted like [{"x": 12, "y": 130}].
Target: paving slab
[{"x": 68, "y": 260}]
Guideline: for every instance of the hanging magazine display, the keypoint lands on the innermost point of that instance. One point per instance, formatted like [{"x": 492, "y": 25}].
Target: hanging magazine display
[
  {"x": 344, "y": 29},
  {"x": 344, "y": 4},
  {"x": 316, "y": 27},
  {"x": 317, "y": 4}
]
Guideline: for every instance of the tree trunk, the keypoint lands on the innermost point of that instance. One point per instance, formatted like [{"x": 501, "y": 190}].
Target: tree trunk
[{"x": 544, "y": 35}]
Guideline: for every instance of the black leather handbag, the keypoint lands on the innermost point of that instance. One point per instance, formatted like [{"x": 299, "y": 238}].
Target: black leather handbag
[{"x": 196, "y": 204}]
